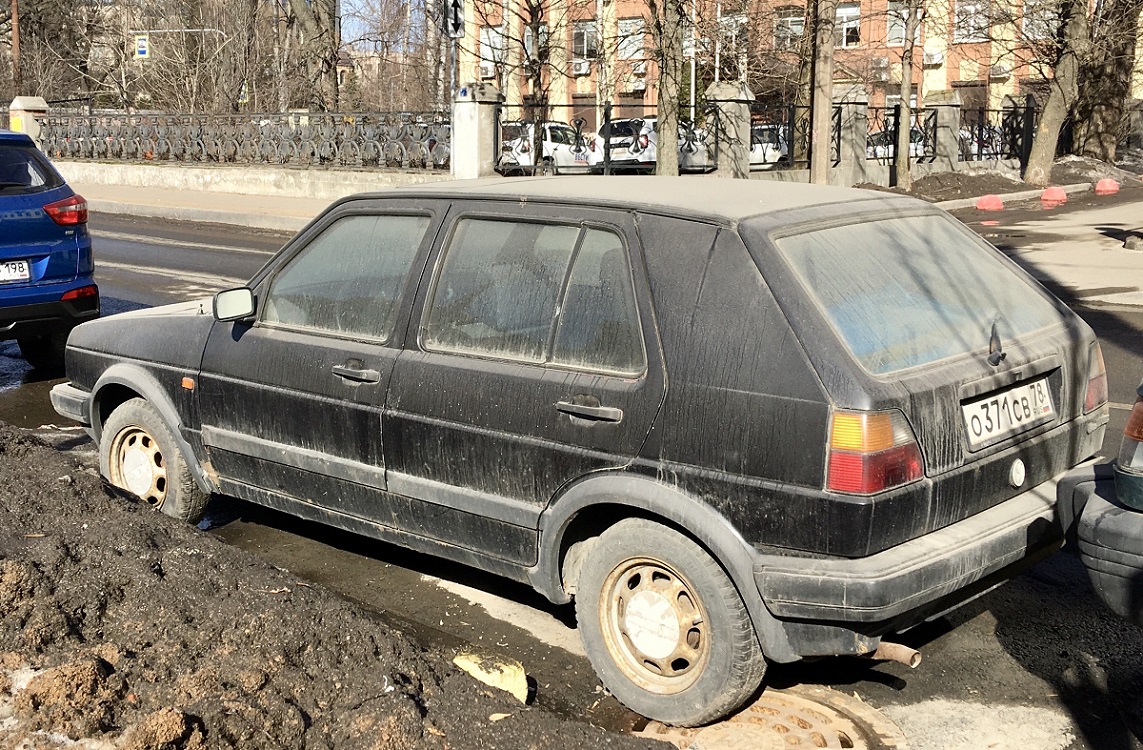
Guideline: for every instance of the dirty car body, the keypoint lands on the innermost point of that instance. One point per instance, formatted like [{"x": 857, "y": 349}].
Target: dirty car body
[{"x": 736, "y": 422}]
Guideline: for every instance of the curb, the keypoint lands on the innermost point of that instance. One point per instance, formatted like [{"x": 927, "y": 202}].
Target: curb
[
  {"x": 204, "y": 215},
  {"x": 953, "y": 205}
]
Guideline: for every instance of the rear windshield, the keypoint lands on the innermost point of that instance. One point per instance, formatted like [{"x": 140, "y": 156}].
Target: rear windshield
[
  {"x": 905, "y": 292},
  {"x": 23, "y": 169},
  {"x": 618, "y": 129}
]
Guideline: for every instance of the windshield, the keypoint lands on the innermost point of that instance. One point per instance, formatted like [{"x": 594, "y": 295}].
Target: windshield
[{"x": 904, "y": 292}]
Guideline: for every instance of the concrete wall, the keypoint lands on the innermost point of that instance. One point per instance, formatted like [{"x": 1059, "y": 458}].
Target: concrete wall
[{"x": 323, "y": 184}]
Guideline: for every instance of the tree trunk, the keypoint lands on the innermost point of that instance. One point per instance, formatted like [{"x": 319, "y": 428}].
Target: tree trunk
[
  {"x": 667, "y": 20},
  {"x": 1061, "y": 93},
  {"x": 822, "y": 107},
  {"x": 902, "y": 167},
  {"x": 1105, "y": 81}
]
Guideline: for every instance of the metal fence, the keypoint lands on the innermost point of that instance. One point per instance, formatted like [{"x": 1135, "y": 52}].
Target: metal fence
[
  {"x": 781, "y": 136},
  {"x": 405, "y": 140},
  {"x": 998, "y": 133},
  {"x": 884, "y": 127}
]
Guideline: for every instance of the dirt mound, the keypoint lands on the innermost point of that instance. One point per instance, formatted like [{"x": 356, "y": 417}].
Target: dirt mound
[
  {"x": 124, "y": 627},
  {"x": 969, "y": 184}
]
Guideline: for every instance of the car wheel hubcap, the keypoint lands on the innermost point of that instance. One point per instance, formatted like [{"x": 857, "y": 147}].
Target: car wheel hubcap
[
  {"x": 138, "y": 466},
  {"x": 655, "y": 626}
]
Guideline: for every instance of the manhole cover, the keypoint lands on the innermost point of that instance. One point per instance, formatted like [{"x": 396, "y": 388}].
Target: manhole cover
[{"x": 802, "y": 717}]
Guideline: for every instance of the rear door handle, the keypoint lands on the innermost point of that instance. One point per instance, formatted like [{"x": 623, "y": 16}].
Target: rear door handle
[
  {"x": 594, "y": 413},
  {"x": 357, "y": 375}
]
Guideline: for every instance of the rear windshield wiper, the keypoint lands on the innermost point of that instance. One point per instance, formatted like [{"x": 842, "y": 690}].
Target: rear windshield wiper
[{"x": 6, "y": 185}]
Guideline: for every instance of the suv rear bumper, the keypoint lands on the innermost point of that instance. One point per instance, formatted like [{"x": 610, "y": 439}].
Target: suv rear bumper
[
  {"x": 906, "y": 578},
  {"x": 40, "y": 318}
]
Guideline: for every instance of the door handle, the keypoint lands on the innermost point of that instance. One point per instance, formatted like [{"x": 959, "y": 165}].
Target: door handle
[
  {"x": 593, "y": 413},
  {"x": 357, "y": 375}
]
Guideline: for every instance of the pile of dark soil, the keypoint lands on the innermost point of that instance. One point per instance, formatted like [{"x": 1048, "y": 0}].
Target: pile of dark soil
[{"x": 122, "y": 628}]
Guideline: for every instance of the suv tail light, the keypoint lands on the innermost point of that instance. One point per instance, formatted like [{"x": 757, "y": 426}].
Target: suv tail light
[
  {"x": 1131, "y": 449},
  {"x": 68, "y": 212},
  {"x": 644, "y": 141},
  {"x": 1096, "y": 380},
  {"x": 524, "y": 147},
  {"x": 871, "y": 451}
]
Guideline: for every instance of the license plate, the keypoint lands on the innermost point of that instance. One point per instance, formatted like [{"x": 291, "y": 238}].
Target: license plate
[
  {"x": 1008, "y": 412},
  {"x": 619, "y": 153},
  {"x": 14, "y": 270},
  {"x": 580, "y": 158}
]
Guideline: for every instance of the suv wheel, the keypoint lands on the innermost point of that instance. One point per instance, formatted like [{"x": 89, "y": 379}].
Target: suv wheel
[
  {"x": 45, "y": 352},
  {"x": 664, "y": 626},
  {"x": 138, "y": 453}
]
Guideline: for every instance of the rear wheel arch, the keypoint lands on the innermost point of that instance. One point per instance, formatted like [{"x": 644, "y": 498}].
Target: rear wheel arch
[{"x": 574, "y": 522}]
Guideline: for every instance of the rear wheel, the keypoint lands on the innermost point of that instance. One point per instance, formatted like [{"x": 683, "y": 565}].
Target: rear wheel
[
  {"x": 138, "y": 453},
  {"x": 664, "y": 626},
  {"x": 45, "y": 352},
  {"x": 547, "y": 167}
]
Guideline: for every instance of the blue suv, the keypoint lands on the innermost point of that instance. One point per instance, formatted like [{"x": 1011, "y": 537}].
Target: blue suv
[{"x": 46, "y": 266}]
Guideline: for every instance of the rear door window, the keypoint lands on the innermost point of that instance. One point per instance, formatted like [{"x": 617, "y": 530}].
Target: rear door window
[
  {"x": 537, "y": 293},
  {"x": 903, "y": 292},
  {"x": 23, "y": 169}
]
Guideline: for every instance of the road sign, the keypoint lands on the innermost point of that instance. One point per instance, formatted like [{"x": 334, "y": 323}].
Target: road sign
[
  {"x": 142, "y": 46},
  {"x": 453, "y": 19}
]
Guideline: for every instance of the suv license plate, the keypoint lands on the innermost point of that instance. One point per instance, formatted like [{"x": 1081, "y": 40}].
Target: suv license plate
[
  {"x": 1008, "y": 412},
  {"x": 14, "y": 270}
]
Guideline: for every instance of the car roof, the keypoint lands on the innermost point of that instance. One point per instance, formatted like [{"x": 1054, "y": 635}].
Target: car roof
[
  {"x": 719, "y": 199},
  {"x": 13, "y": 137}
]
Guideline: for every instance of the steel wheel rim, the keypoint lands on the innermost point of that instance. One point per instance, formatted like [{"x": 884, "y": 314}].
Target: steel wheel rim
[
  {"x": 138, "y": 465},
  {"x": 654, "y": 625}
]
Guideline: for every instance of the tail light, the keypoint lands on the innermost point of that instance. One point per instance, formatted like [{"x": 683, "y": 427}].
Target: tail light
[
  {"x": 644, "y": 141},
  {"x": 591, "y": 144},
  {"x": 84, "y": 291},
  {"x": 1096, "y": 395},
  {"x": 1131, "y": 449},
  {"x": 68, "y": 212},
  {"x": 871, "y": 451},
  {"x": 524, "y": 147}
]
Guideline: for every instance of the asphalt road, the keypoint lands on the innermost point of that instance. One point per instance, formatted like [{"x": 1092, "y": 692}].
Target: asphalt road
[{"x": 1037, "y": 663}]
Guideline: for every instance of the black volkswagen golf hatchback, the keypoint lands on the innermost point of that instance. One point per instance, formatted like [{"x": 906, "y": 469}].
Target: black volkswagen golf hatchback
[{"x": 736, "y": 422}]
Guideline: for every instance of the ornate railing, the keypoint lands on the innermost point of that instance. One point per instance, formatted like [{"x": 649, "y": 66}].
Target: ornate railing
[
  {"x": 997, "y": 133},
  {"x": 882, "y": 140},
  {"x": 395, "y": 140}
]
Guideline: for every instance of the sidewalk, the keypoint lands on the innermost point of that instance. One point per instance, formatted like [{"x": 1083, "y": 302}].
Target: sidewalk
[{"x": 1080, "y": 250}]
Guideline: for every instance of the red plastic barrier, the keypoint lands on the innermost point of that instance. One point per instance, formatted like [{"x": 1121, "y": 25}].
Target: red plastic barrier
[
  {"x": 1053, "y": 197},
  {"x": 990, "y": 203},
  {"x": 1106, "y": 186}
]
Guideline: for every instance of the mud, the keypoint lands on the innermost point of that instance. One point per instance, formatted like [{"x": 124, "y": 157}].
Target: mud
[{"x": 122, "y": 628}]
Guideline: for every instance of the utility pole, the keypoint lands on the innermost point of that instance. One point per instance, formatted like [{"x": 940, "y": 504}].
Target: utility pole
[
  {"x": 16, "y": 46},
  {"x": 821, "y": 105}
]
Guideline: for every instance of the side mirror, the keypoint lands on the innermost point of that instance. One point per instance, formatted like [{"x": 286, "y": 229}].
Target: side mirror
[{"x": 233, "y": 304}]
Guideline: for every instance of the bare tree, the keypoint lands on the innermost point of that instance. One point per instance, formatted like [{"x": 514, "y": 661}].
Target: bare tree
[
  {"x": 668, "y": 19},
  {"x": 913, "y": 11},
  {"x": 1062, "y": 92}
]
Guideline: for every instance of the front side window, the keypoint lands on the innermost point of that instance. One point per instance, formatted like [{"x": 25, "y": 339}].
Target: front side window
[
  {"x": 585, "y": 40},
  {"x": 906, "y": 292},
  {"x": 971, "y": 21},
  {"x": 848, "y": 24},
  {"x": 348, "y": 280},
  {"x": 536, "y": 293}
]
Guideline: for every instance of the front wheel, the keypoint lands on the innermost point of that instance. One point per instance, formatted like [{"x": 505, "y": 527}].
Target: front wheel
[
  {"x": 664, "y": 626},
  {"x": 138, "y": 453}
]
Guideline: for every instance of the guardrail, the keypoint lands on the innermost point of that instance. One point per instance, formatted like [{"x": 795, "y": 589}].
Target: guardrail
[{"x": 395, "y": 140}]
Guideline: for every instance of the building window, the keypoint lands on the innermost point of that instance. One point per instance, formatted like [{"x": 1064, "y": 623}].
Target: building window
[
  {"x": 491, "y": 49},
  {"x": 897, "y": 17},
  {"x": 971, "y": 21},
  {"x": 585, "y": 40},
  {"x": 533, "y": 50},
  {"x": 848, "y": 24},
  {"x": 789, "y": 27},
  {"x": 1041, "y": 19},
  {"x": 631, "y": 32}
]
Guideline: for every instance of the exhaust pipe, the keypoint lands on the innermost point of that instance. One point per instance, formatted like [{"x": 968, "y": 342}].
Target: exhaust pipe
[{"x": 888, "y": 651}]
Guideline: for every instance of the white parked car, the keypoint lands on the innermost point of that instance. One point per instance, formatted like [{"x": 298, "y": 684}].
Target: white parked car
[
  {"x": 880, "y": 144},
  {"x": 563, "y": 150},
  {"x": 634, "y": 146},
  {"x": 767, "y": 146}
]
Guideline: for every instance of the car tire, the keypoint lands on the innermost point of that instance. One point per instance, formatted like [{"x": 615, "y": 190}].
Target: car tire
[
  {"x": 45, "y": 352},
  {"x": 138, "y": 454},
  {"x": 691, "y": 655},
  {"x": 547, "y": 168}
]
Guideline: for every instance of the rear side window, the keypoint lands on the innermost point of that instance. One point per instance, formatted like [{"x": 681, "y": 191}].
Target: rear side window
[
  {"x": 905, "y": 292},
  {"x": 537, "y": 293},
  {"x": 23, "y": 169},
  {"x": 348, "y": 280}
]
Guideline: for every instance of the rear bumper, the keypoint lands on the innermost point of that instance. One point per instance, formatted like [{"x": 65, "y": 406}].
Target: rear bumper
[
  {"x": 40, "y": 318},
  {"x": 1110, "y": 536},
  {"x": 935, "y": 571}
]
